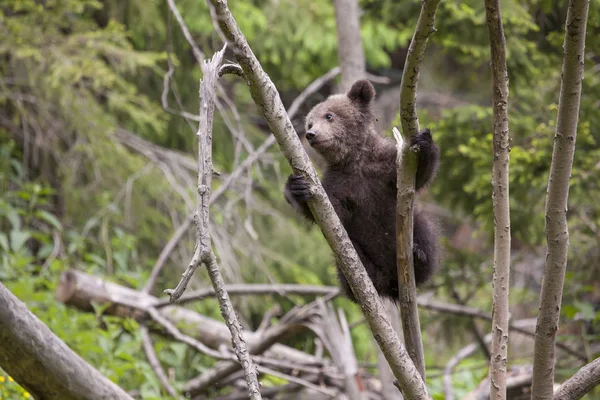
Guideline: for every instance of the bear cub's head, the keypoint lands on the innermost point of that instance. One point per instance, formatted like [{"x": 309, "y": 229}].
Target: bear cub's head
[{"x": 344, "y": 124}]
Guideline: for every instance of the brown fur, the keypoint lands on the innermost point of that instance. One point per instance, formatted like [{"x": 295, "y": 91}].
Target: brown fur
[{"x": 360, "y": 180}]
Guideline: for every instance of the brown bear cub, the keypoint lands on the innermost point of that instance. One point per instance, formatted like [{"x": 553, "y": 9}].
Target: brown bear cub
[{"x": 360, "y": 180}]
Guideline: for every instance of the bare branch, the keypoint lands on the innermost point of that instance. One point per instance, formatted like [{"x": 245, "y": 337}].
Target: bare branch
[
  {"x": 463, "y": 353},
  {"x": 338, "y": 340},
  {"x": 172, "y": 330},
  {"x": 204, "y": 253},
  {"x": 299, "y": 381},
  {"x": 500, "y": 201},
  {"x": 584, "y": 380},
  {"x": 81, "y": 290},
  {"x": 557, "y": 232},
  {"x": 155, "y": 363},
  {"x": 165, "y": 253},
  {"x": 253, "y": 289},
  {"x": 266, "y": 97},
  {"x": 267, "y": 339},
  {"x": 466, "y": 311},
  {"x": 42, "y": 363},
  {"x": 186, "y": 32},
  {"x": 245, "y": 165},
  {"x": 406, "y": 174}
]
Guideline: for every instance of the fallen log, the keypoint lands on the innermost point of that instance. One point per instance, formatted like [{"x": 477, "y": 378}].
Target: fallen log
[
  {"x": 81, "y": 290},
  {"x": 42, "y": 363}
]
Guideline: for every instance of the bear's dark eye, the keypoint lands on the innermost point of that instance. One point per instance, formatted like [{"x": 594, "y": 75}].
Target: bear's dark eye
[
  {"x": 328, "y": 117},
  {"x": 309, "y": 126}
]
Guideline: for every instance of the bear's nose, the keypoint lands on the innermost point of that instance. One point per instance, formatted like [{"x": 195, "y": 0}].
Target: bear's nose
[{"x": 310, "y": 135}]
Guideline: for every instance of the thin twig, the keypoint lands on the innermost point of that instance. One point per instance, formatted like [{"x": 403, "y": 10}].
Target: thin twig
[
  {"x": 463, "y": 353},
  {"x": 254, "y": 289},
  {"x": 299, "y": 381},
  {"x": 183, "y": 338},
  {"x": 57, "y": 246},
  {"x": 269, "y": 336},
  {"x": 155, "y": 363},
  {"x": 406, "y": 174}
]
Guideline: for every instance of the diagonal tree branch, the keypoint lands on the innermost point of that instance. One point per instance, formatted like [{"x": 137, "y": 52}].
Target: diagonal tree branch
[
  {"x": 500, "y": 202},
  {"x": 407, "y": 170},
  {"x": 42, "y": 363},
  {"x": 584, "y": 380},
  {"x": 557, "y": 233},
  {"x": 265, "y": 95},
  {"x": 155, "y": 362}
]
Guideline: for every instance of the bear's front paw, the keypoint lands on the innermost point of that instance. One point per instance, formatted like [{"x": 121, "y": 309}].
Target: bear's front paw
[
  {"x": 297, "y": 188},
  {"x": 419, "y": 255},
  {"x": 421, "y": 140}
]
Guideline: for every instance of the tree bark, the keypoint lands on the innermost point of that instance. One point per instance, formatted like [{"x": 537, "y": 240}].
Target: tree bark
[
  {"x": 351, "y": 54},
  {"x": 500, "y": 201},
  {"x": 208, "y": 88},
  {"x": 265, "y": 95},
  {"x": 581, "y": 383},
  {"x": 557, "y": 233},
  {"x": 406, "y": 173},
  {"x": 42, "y": 363},
  {"x": 81, "y": 290}
]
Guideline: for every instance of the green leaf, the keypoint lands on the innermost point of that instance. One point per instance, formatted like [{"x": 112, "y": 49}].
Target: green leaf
[
  {"x": 18, "y": 239},
  {"x": 50, "y": 219}
]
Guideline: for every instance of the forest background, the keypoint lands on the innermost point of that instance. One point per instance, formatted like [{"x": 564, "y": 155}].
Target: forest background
[{"x": 97, "y": 169}]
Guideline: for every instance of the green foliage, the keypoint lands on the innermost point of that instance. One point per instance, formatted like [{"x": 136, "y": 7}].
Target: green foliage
[{"x": 72, "y": 196}]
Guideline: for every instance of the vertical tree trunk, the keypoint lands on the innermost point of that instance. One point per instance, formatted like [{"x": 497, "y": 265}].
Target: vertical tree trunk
[
  {"x": 500, "y": 201},
  {"x": 406, "y": 174},
  {"x": 557, "y": 233},
  {"x": 350, "y": 48}
]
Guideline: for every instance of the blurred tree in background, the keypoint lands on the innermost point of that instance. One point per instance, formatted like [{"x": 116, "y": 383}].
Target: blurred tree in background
[{"x": 96, "y": 174}]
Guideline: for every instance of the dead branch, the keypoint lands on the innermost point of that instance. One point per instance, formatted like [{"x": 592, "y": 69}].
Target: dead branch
[
  {"x": 462, "y": 354},
  {"x": 254, "y": 289},
  {"x": 155, "y": 363},
  {"x": 292, "y": 320},
  {"x": 204, "y": 253},
  {"x": 584, "y": 380},
  {"x": 457, "y": 309},
  {"x": 336, "y": 336},
  {"x": 265, "y": 95},
  {"x": 81, "y": 290},
  {"x": 141, "y": 146},
  {"x": 500, "y": 201},
  {"x": 557, "y": 232},
  {"x": 407, "y": 169},
  {"x": 42, "y": 363}
]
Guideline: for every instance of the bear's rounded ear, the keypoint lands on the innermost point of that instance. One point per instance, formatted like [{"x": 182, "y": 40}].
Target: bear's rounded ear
[{"x": 362, "y": 92}]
